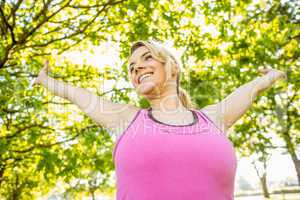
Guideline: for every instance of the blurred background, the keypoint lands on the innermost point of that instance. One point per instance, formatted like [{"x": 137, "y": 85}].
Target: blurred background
[{"x": 49, "y": 149}]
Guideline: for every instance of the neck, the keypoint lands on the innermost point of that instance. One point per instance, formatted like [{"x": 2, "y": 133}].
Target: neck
[{"x": 167, "y": 102}]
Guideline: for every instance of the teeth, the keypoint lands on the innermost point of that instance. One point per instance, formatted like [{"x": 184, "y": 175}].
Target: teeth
[{"x": 144, "y": 76}]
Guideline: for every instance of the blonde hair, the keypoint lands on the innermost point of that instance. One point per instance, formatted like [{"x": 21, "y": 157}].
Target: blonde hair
[{"x": 164, "y": 56}]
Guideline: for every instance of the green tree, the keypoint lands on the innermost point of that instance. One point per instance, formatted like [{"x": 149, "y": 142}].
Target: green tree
[{"x": 41, "y": 142}]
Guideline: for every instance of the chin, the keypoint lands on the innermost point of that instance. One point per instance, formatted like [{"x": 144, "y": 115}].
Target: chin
[{"x": 146, "y": 89}]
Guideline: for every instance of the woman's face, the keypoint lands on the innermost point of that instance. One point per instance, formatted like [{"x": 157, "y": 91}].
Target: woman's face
[{"x": 146, "y": 73}]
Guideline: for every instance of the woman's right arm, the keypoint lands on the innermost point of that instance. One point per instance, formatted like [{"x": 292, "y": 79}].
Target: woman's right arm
[{"x": 103, "y": 112}]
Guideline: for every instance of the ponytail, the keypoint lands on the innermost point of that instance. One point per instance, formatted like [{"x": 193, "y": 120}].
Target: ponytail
[{"x": 184, "y": 97}]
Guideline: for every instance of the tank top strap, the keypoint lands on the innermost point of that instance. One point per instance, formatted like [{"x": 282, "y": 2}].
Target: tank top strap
[
  {"x": 209, "y": 122},
  {"x": 203, "y": 116}
]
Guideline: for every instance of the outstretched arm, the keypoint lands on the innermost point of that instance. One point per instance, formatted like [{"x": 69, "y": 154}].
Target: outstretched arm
[
  {"x": 234, "y": 106},
  {"x": 103, "y": 112}
]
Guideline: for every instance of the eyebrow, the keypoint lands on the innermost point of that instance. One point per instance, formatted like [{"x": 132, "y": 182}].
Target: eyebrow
[{"x": 141, "y": 56}]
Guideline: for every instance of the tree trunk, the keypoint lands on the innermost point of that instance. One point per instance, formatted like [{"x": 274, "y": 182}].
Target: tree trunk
[
  {"x": 263, "y": 178},
  {"x": 297, "y": 166},
  {"x": 2, "y": 168},
  {"x": 264, "y": 185},
  {"x": 15, "y": 191},
  {"x": 93, "y": 194}
]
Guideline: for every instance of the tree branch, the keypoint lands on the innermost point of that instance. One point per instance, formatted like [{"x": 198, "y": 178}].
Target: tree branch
[
  {"x": 28, "y": 33},
  {"x": 14, "y": 10},
  {"x": 110, "y": 2},
  {"x": 55, "y": 143},
  {"x": 8, "y": 26},
  {"x": 20, "y": 130}
]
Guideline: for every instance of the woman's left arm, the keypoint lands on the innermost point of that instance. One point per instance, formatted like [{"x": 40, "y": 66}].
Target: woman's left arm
[{"x": 235, "y": 105}]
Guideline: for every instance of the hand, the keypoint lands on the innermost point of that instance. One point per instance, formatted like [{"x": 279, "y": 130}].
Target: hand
[
  {"x": 42, "y": 75},
  {"x": 273, "y": 73}
]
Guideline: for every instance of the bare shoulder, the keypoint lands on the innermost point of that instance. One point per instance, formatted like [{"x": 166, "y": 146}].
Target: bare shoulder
[
  {"x": 214, "y": 113},
  {"x": 120, "y": 124}
]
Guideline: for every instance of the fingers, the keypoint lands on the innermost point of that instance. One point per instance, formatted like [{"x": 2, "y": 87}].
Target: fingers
[
  {"x": 284, "y": 75},
  {"x": 32, "y": 83},
  {"x": 36, "y": 80},
  {"x": 264, "y": 70},
  {"x": 47, "y": 68},
  {"x": 274, "y": 72},
  {"x": 46, "y": 65}
]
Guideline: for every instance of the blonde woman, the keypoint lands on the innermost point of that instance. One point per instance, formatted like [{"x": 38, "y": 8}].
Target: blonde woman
[{"x": 171, "y": 150}]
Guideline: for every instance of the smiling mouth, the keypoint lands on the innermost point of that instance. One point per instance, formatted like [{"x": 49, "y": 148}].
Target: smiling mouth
[{"x": 145, "y": 76}]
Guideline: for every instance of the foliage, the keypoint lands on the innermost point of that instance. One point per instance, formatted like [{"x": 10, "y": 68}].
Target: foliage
[{"x": 44, "y": 139}]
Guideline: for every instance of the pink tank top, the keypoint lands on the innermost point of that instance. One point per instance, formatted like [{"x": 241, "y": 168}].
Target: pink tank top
[{"x": 157, "y": 161}]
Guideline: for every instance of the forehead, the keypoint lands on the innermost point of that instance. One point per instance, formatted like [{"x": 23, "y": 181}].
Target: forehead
[{"x": 137, "y": 53}]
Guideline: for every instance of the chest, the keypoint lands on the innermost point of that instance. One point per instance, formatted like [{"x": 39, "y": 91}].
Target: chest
[{"x": 158, "y": 153}]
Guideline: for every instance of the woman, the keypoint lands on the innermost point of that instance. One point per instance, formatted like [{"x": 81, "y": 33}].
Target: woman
[{"x": 171, "y": 150}]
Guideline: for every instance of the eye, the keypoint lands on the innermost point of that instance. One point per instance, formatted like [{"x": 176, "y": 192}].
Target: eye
[{"x": 147, "y": 57}]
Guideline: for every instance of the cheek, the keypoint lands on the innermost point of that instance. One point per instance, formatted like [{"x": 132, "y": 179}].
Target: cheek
[
  {"x": 133, "y": 83},
  {"x": 160, "y": 74}
]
